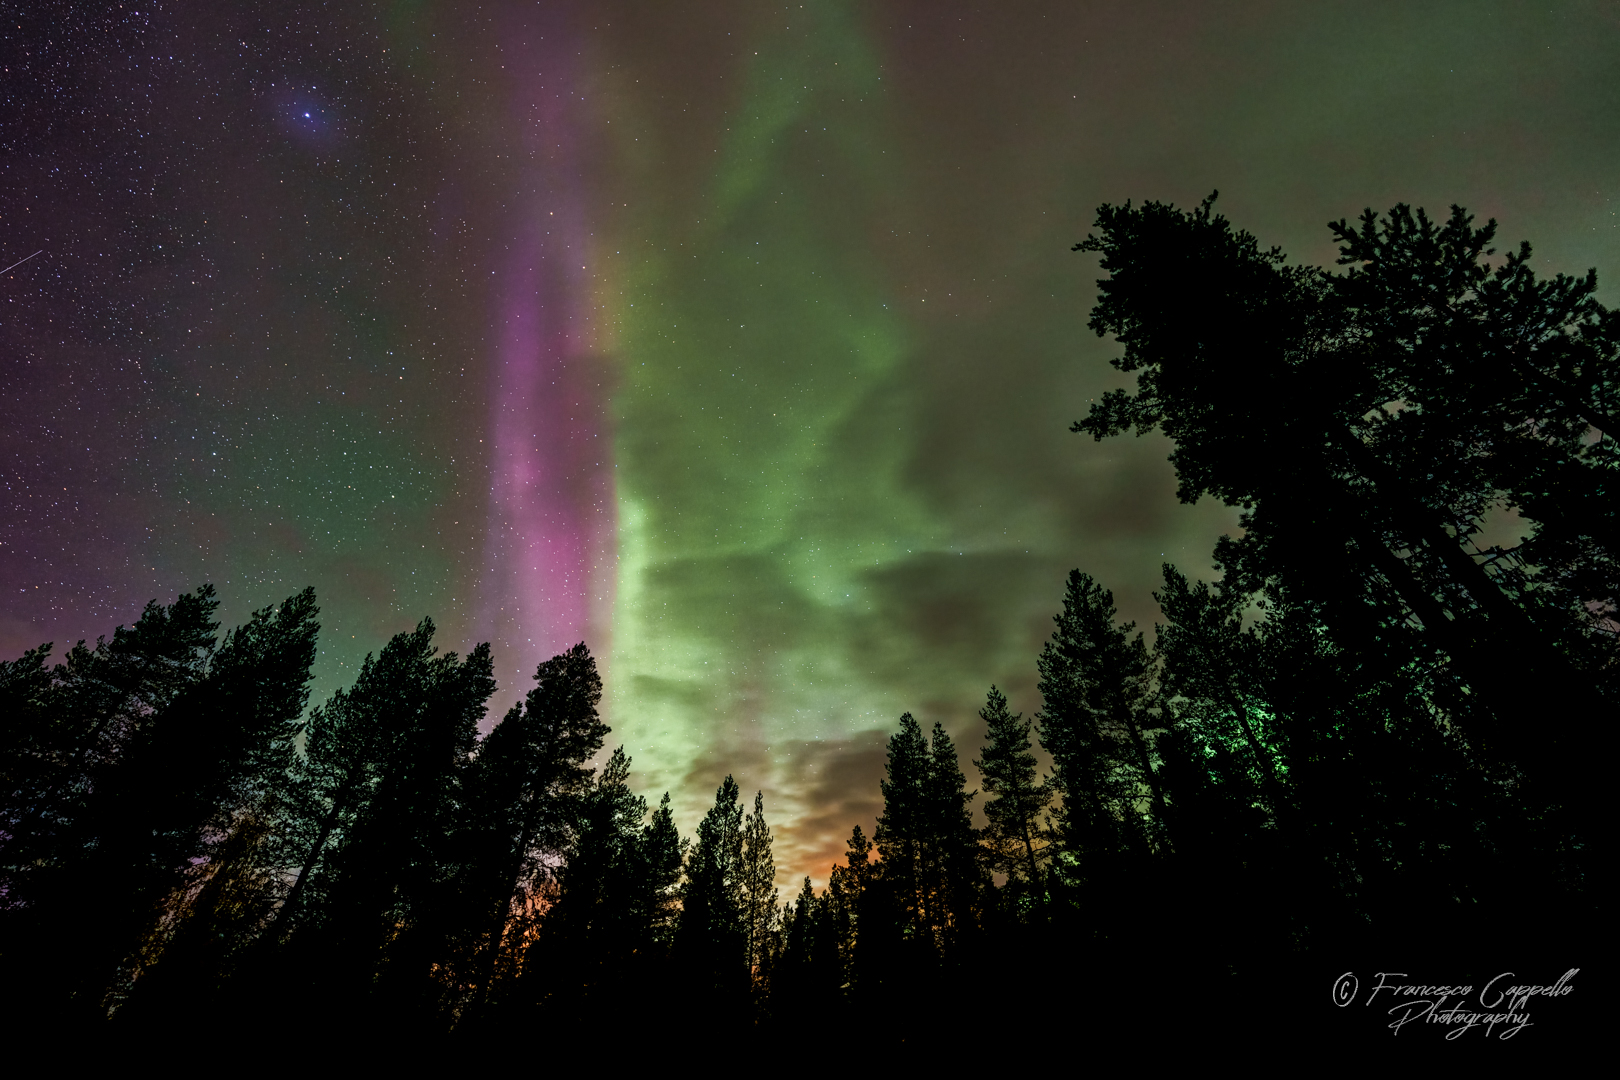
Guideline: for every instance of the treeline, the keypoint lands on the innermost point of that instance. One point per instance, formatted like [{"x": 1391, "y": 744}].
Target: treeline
[{"x": 1371, "y": 733}]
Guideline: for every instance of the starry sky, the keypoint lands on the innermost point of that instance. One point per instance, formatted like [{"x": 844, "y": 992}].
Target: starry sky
[{"x": 738, "y": 339}]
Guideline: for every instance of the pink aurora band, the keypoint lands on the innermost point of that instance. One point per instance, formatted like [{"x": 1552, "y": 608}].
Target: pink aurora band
[{"x": 549, "y": 546}]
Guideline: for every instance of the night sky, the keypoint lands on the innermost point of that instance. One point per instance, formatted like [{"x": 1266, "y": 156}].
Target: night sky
[{"x": 739, "y": 340}]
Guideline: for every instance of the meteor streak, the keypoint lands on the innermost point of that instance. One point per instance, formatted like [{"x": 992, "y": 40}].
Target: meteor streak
[{"x": 19, "y": 262}]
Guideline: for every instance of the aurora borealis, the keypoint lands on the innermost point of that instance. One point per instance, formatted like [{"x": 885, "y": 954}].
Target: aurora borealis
[{"x": 739, "y": 340}]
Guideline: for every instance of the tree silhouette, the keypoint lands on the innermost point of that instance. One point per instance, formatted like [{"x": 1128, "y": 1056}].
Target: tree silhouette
[
  {"x": 846, "y": 890},
  {"x": 759, "y": 905},
  {"x": 807, "y": 976},
  {"x": 711, "y": 943},
  {"x": 62, "y": 726},
  {"x": 1016, "y": 839},
  {"x": 348, "y": 744},
  {"x": 605, "y": 904},
  {"x": 664, "y": 853},
  {"x": 390, "y": 890},
  {"x": 926, "y": 839},
  {"x": 527, "y": 781},
  {"x": 1098, "y": 721},
  {"x": 173, "y": 737},
  {"x": 1403, "y": 399}
]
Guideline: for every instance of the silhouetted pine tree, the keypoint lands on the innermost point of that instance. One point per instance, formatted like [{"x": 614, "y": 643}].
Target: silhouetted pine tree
[
  {"x": 807, "y": 976},
  {"x": 528, "y": 780},
  {"x": 602, "y": 918},
  {"x": 63, "y": 724},
  {"x": 956, "y": 842},
  {"x": 846, "y": 891},
  {"x": 760, "y": 910},
  {"x": 1016, "y": 838},
  {"x": 1405, "y": 398},
  {"x": 926, "y": 839},
  {"x": 391, "y": 876},
  {"x": 711, "y": 942},
  {"x": 798, "y": 938},
  {"x": 1098, "y": 720},
  {"x": 178, "y": 737},
  {"x": 1319, "y": 814},
  {"x": 903, "y": 829},
  {"x": 664, "y": 852},
  {"x": 348, "y": 745},
  {"x": 29, "y": 755}
]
